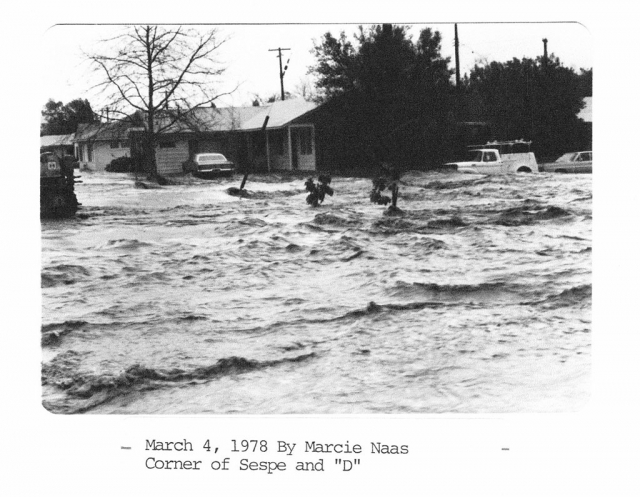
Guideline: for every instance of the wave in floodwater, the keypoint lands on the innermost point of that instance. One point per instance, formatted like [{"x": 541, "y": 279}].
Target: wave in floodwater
[
  {"x": 190, "y": 298},
  {"x": 85, "y": 390}
]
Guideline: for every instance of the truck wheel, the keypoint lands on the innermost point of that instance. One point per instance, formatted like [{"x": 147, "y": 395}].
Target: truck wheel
[
  {"x": 59, "y": 205},
  {"x": 523, "y": 170}
]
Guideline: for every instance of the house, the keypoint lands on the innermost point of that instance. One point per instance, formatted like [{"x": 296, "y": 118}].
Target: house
[
  {"x": 96, "y": 145},
  {"x": 278, "y": 136},
  {"x": 60, "y": 145}
]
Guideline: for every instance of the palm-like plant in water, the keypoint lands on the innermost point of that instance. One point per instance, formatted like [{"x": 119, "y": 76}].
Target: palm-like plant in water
[
  {"x": 318, "y": 191},
  {"x": 387, "y": 182}
]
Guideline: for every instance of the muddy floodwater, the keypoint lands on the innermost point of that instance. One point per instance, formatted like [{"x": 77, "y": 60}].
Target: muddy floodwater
[{"x": 185, "y": 299}]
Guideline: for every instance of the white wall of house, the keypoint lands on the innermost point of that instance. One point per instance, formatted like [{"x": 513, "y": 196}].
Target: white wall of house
[
  {"x": 101, "y": 154},
  {"x": 169, "y": 160}
]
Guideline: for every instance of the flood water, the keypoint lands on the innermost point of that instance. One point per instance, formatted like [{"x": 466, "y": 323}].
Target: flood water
[{"x": 185, "y": 299}]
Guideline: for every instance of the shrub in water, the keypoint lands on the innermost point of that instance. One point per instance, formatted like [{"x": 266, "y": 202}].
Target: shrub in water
[
  {"x": 120, "y": 165},
  {"x": 317, "y": 192},
  {"x": 390, "y": 182}
]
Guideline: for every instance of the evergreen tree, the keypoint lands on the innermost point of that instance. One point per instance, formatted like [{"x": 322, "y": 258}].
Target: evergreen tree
[
  {"x": 64, "y": 119},
  {"x": 530, "y": 99},
  {"x": 393, "y": 94}
]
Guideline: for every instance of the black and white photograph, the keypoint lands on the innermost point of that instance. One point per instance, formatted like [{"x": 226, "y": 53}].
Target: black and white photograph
[
  {"x": 319, "y": 249},
  {"x": 316, "y": 219}
]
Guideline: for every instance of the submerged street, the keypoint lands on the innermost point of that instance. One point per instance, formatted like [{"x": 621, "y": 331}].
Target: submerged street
[{"x": 185, "y": 299}]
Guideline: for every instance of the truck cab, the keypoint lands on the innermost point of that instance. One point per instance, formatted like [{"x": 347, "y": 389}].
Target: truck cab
[
  {"x": 498, "y": 158},
  {"x": 57, "y": 195}
]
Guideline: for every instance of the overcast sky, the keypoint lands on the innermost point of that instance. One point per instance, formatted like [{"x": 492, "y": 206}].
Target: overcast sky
[{"x": 255, "y": 69}]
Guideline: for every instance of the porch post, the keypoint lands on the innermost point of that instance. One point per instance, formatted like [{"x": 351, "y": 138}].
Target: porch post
[
  {"x": 290, "y": 149},
  {"x": 313, "y": 147},
  {"x": 268, "y": 157}
]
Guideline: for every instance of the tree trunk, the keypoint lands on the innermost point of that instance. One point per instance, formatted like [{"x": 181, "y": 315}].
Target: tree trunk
[
  {"x": 149, "y": 151},
  {"x": 394, "y": 195}
]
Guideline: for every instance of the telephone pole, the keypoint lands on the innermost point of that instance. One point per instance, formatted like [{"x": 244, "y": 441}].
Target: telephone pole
[
  {"x": 457, "y": 43},
  {"x": 279, "y": 50},
  {"x": 544, "y": 58}
]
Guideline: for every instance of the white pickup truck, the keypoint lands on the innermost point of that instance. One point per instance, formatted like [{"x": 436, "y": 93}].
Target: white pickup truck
[{"x": 498, "y": 158}]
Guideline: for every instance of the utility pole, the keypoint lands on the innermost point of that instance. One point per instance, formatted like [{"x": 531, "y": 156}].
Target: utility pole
[
  {"x": 457, "y": 43},
  {"x": 279, "y": 50},
  {"x": 544, "y": 58}
]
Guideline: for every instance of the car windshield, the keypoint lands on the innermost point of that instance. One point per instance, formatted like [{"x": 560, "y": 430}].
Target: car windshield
[
  {"x": 566, "y": 157},
  {"x": 211, "y": 157},
  {"x": 474, "y": 155}
]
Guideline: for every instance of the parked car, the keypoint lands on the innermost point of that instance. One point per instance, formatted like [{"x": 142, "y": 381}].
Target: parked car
[
  {"x": 497, "y": 158},
  {"x": 209, "y": 164},
  {"x": 573, "y": 162}
]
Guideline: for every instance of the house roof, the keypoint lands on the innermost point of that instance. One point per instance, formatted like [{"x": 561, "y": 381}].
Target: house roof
[
  {"x": 280, "y": 113},
  {"x": 211, "y": 119},
  {"x": 103, "y": 131},
  {"x": 56, "y": 140},
  {"x": 215, "y": 119},
  {"x": 252, "y": 118},
  {"x": 585, "y": 113}
]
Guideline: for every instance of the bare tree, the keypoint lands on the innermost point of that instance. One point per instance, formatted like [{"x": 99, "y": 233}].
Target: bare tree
[
  {"x": 164, "y": 73},
  {"x": 305, "y": 89}
]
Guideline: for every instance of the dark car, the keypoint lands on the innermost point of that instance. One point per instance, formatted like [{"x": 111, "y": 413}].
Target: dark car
[{"x": 209, "y": 164}]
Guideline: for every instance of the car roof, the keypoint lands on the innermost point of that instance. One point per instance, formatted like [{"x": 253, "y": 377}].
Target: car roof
[{"x": 213, "y": 154}]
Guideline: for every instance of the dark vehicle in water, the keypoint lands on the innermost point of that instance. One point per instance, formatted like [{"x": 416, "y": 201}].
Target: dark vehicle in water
[
  {"x": 208, "y": 165},
  {"x": 57, "y": 180}
]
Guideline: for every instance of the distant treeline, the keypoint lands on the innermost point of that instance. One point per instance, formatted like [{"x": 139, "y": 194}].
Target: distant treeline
[{"x": 391, "y": 99}]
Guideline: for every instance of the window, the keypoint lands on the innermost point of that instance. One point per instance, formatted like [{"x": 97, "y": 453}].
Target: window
[
  {"x": 89, "y": 152},
  {"x": 167, "y": 144},
  {"x": 474, "y": 155},
  {"x": 114, "y": 144},
  {"x": 490, "y": 157}
]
